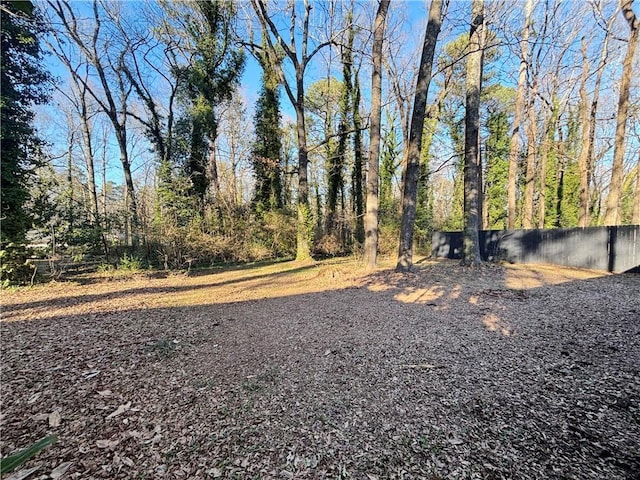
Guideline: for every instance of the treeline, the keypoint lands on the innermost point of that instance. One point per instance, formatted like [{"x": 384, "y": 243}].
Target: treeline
[{"x": 359, "y": 139}]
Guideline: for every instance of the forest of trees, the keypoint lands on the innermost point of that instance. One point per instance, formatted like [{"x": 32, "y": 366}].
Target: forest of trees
[{"x": 181, "y": 132}]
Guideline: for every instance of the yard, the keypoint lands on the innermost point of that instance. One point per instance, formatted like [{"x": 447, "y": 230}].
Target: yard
[{"x": 323, "y": 371}]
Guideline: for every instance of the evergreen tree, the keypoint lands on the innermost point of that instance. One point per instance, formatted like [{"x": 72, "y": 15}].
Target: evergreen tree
[{"x": 23, "y": 85}]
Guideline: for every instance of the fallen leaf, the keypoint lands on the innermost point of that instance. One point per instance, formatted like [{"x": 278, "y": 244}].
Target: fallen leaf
[
  {"x": 22, "y": 474},
  {"x": 119, "y": 410},
  {"x": 34, "y": 397},
  {"x": 60, "y": 470},
  {"x": 55, "y": 419},
  {"x": 107, "y": 443}
]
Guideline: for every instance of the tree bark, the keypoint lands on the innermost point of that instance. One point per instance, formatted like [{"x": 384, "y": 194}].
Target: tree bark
[
  {"x": 592, "y": 115},
  {"x": 635, "y": 218},
  {"x": 583, "y": 160},
  {"x": 405, "y": 250},
  {"x": 303, "y": 242},
  {"x": 517, "y": 119},
  {"x": 472, "y": 190},
  {"x": 530, "y": 175},
  {"x": 612, "y": 216},
  {"x": 371, "y": 217}
]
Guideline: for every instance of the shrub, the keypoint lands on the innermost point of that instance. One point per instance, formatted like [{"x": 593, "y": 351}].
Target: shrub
[{"x": 15, "y": 267}]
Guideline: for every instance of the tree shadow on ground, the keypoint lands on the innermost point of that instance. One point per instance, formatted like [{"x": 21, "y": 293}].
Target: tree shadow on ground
[
  {"x": 396, "y": 376},
  {"x": 185, "y": 285}
]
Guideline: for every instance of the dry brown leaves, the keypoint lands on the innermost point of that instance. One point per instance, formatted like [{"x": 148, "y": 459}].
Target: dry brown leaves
[{"x": 321, "y": 371}]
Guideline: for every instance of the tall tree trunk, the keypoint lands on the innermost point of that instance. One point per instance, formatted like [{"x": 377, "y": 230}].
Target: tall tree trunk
[
  {"x": 544, "y": 159},
  {"x": 214, "y": 178},
  {"x": 635, "y": 218},
  {"x": 514, "y": 151},
  {"x": 304, "y": 230},
  {"x": 612, "y": 216},
  {"x": 405, "y": 250},
  {"x": 89, "y": 157},
  {"x": 70, "y": 200},
  {"x": 371, "y": 217},
  {"x": 472, "y": 189},
  {"x": 583, "y": 158},
  {"x": 358, "y": 162},
  {"x": 594, "y": 110},
  {"x": 530, "y": 175}
]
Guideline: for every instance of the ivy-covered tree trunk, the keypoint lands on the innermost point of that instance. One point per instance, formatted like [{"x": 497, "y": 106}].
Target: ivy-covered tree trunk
[
  {"x": 305, "y": 222},
  {"x": 497, "y": 166},
  {"x": 358, "y": 162},
  {"x": 388, "y": 165},
  {"x": 267, "y": 146},
  {"x": 278, "y": 48},
  {"x": 337, "y": 157}
]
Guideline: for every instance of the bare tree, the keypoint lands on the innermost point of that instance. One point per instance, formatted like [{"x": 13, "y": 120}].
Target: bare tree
[
  {"x": 517, "y": 119},
  {"x": 300, "y": 57},
  {"x": 586, "y": 158},
  {"x": 371, "y": 216},
  {"x": 612, "y": 215},
  {"x": 112, "y": 95},
  {"x": 434, "y": 24}
]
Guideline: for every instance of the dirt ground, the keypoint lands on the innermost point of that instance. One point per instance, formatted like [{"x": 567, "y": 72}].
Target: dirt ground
[{"x": 282, "y": 371}]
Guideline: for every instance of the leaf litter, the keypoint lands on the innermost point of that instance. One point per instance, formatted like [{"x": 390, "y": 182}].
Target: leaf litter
[{"x": 323, "y": 371}]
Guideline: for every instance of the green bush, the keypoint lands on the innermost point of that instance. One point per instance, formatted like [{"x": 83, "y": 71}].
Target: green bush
[
  {"x": 15, "y": 267},
  {"x": 129, "y": 263}
]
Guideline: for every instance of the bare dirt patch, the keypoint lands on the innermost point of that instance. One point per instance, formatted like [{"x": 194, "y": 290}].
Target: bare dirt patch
[{"x": 324, "y": 371}]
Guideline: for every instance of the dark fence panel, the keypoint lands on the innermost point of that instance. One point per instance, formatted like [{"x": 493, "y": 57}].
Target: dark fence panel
[{"x": 614, "y": 249}]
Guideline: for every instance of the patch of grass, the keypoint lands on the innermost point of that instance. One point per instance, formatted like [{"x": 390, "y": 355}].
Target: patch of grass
[
  {"x": 163, "y": 348},
  {"x": 255, "y": 383},
  {"x": 204, "y": 384}
]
